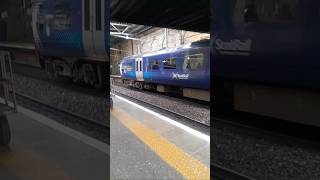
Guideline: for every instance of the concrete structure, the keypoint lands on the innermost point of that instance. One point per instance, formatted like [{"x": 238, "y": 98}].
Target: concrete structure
[
  {"x": 44, "y": 149},
  {"x": 147, "y": 145},
  {"x": 152, "y": 40}
]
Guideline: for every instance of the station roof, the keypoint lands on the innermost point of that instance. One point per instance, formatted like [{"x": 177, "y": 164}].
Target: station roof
[{"x": 190, "y": 15}]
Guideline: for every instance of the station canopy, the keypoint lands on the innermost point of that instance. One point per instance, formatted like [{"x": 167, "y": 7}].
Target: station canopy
[{"x": 189, "y": 15}]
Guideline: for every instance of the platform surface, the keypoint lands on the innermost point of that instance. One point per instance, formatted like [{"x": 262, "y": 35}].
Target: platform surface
[
  {"x": 39, "y": 152},
  {"x": 17, "y": 45},
  {"x": 145, "y": 146},
  {"x": 5, "y": 109}
]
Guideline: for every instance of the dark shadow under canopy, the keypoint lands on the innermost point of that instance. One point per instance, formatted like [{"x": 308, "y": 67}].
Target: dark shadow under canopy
[{"x": 192, "y": 15}]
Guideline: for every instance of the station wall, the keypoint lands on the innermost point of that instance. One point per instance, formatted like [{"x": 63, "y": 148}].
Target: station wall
[{"x": 153, "y": 40}]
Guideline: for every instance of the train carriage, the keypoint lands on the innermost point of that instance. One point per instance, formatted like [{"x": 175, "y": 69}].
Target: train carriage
[
  {"x": 182, "y": 70},
  {"x": 72, "y": 38},
  {"x": 265, "y": 57}
]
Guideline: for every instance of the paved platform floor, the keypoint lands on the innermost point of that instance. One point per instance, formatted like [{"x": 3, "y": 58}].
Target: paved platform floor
[
  {"x": 146, "y": 145},
  {"x": 44, "y": 150}
]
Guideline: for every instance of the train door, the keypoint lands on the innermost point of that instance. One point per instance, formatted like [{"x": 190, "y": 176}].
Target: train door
[
  {"x": 35, "y": 23},
  {"x": 93, "y": 15},
  {"x": 139, "y": 69},
  {"x": 99, "y": 28}
]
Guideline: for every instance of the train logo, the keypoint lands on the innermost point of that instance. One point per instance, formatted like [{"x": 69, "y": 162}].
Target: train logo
[
  {"x": 127, "y": 69},
  {"x": 180, "y": 76},
  {"x": 234, "y": 47}
]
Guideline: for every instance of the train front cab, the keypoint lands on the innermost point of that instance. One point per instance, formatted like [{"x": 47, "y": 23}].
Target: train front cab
[{"x": 265, "y": 56}]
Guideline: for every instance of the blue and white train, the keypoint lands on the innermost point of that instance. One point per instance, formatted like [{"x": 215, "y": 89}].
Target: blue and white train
[
  {"x": 185, "y": 70},
  {"x": 266, "y": 57},
  {"x": 72, "y": 38}
]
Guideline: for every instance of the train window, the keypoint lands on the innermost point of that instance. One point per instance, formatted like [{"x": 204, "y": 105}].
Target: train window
[
  {"x": 41, "y": 27},
  {"x": 87, "y": 15},
  {"x": 193, "y": 62},
  {"x": 40, "y": 21},
  {"x": 154, "y": 65},
  {"x": 170, "y": 63},
  {"x": 127, "y": 68},
  {"x": 265, "y": 11},
  {"x": 140, "y": 65},
  {"x": 40, "y": 9},
  {"x": 98, "y": 15}
]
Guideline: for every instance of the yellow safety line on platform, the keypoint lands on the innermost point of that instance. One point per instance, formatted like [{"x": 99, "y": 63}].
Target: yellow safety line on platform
[{"x": 187, "y": 166}]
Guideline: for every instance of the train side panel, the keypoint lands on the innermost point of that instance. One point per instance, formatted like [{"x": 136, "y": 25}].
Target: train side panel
[
  {"x": 72, "y": 39},
  {"x": 65, "y": 28},
  {"x": 58, "y": 28},
  {"x": 177, "y": 70},
  {"x": 266, "y": 58},
  {"x": 278, "y": 50}
]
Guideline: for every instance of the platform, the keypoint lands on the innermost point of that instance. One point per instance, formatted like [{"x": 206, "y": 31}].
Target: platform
[
  {"x": 43, "y": 149},
  {"x": 16, "y": 45},
  {"x": 147, "y": 145}
]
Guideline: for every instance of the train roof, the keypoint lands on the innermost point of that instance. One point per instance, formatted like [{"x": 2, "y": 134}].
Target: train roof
[
  {"x": 201, "y": 43},
  {"x": 167, "y": 51},
  {"x": 194, "y": 45}
]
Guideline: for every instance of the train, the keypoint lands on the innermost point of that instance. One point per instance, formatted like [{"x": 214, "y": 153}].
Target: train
[
  {"x": 72, "y": 39},
  {"x": 266, "y": 58},
  {"x": 184, "y": 70}
]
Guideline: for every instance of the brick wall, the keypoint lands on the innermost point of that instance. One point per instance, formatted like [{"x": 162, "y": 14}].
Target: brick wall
[{"x": 152, "y": 41}]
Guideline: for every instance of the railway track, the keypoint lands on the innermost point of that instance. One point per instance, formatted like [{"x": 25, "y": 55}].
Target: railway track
[
  {"x": 37, "y": 73},
  {"x": 115, "y": 80},
  {"x": 25, "y": 63},
  {"x": 75, "y": 121},
  {"x": 167, "y": 112},
  {"x": 279, "y": 130},
  {"x": 218, "y": 172},
  {"x": 222, "y": 173},
  {"x": 258, "y": 143}
]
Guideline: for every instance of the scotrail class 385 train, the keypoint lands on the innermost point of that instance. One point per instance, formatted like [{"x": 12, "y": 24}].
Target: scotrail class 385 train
[
  {"x": 72, "y": 38},
  {"x": 266, "y": 54},
  {"x": 185, "y": 70}
]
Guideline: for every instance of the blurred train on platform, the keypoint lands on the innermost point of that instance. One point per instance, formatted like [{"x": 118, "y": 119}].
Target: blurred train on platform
[
  {"x": 184, "y": 70},
  {"x": 266, "y": 58},
  {"x": 72, "y": 39}
]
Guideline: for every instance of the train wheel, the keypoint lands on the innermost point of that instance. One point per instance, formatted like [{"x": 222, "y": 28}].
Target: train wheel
[
  {"x": 55, "y": 71},
  {"x": 5, "y": 135},
  {"x": 141, "y": 86},
  {"x": 75, "y": 74},
  {"x": 49, "y": 68},
  {"x": 40, "y": 60},
  {"x": 101, "y": 77},
  {"x": 90, "y": 77}
]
